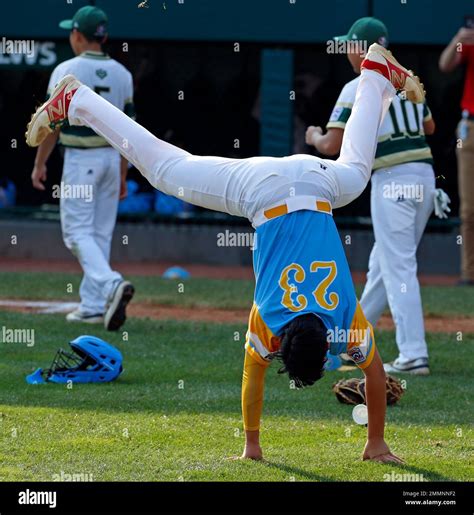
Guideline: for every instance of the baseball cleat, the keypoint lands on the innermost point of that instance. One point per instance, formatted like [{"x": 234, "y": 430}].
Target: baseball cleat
[
  {"x": 53, "y": 113},
  {"x": 380, "y": 59},
  {"x": 417, "y": 367},
  {"x": 79, "y": 316},
  {"x": 115, "y": 314}
]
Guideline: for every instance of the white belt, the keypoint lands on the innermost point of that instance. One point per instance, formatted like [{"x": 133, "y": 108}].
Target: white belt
[{"x": 290, "y": 205}]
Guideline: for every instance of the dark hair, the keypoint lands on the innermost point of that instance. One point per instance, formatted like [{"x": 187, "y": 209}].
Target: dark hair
[{"x": 303, "y": 350}]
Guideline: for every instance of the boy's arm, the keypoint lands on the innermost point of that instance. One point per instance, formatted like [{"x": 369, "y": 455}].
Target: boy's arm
[
  {"x": 252, "y": 403},
  {"x": 328, "y": 144},
  {"x": 376, "y": 398},
  {"x": 452, "y": 57},
  {"x": 429, "y": 125},
  {"x": 123, "y": 178},
  {"x": 39, "y": 173},
  {"x": 129, "y": 110}
]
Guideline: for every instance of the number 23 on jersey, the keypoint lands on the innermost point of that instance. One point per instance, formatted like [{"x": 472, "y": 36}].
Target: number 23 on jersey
[{"x": 294, "y": 274}]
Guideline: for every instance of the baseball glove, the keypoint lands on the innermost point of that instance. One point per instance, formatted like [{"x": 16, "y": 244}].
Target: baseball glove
[
  {"x": 352, "y": 391},
  {"x": 348, "y": 391},
  {"x": 394, "y": 390}
]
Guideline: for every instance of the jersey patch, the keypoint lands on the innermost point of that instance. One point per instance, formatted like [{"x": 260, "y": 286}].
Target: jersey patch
[
  {"x": 336, "y": 113},
  {"x": 101, "y": 73},
  {"x": 356, "y": 354}
]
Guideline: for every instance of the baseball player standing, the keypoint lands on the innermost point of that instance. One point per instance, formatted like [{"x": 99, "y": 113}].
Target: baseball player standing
[
  {"x": 94, "y": 174},
  {"x": 402, "y": 199}
]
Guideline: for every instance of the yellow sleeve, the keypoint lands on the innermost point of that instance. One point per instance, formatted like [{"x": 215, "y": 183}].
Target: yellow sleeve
[{"x": 252, "y": 392}]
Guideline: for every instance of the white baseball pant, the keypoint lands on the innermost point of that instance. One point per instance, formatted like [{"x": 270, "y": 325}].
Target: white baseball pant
[
  {"x": 244, "y": 186},
  {"x": 88, "y": 208},
  {"x": 401, "y": 204}
]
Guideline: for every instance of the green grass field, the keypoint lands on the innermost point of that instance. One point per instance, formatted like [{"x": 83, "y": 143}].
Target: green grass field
[
  {"x": 174, "y": 414},
  {"x": 228, "y": 294}
]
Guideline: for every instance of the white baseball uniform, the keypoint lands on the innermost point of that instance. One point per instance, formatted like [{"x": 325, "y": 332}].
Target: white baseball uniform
[
  {"x": 91, "y": 178},
  {"x": 402, "y": 196}
]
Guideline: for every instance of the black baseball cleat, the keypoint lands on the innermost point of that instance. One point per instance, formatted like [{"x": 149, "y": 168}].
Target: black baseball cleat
[{"x": 115, "y": 314}]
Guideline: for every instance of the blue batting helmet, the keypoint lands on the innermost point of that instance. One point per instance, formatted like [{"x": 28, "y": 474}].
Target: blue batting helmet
[{"x": 93, "y": 361}]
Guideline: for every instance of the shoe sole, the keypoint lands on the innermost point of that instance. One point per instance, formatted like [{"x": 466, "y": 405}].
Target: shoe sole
[
  {"x": 421, "y": 371},
  {"x": 86, "y": 320},
  {"x": 45, "y": 131},
  {"x": 413, "y": 86},
  {"x": 116, "y": 314}
]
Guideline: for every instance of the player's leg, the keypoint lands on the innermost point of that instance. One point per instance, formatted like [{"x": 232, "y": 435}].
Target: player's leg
[
  {"x": 374, "y": 297},
  {"x": 359, "y": 143},
  {"x": 397, "y": 232},
  {"x": 207, "y": 181},
  {"x": 215, "y": 183},
  {"x": 380, "y": 72},
  {"x": 106, "y": 207},
  {"x": 77, "y": 222},
  {"x": 106, "y": 198}
]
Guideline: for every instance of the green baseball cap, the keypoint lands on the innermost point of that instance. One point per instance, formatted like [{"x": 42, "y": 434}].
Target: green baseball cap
[
  {"x": 89, "y": 20},
  {"x": 367, "y": 29}
]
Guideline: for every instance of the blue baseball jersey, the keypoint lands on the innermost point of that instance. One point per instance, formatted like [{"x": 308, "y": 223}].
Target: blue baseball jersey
[{"x": 301, "y": 268}]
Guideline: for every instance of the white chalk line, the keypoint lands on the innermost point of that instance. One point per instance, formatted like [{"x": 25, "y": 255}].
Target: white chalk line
[{"x": 40, "y": 306}]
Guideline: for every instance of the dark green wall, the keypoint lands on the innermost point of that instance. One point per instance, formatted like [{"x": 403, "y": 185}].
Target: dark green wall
[
  {"x": 422, "y": 21},
  {"x": 416, "y": 21}
]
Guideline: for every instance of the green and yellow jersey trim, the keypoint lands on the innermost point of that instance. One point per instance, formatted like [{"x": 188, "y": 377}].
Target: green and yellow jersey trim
[{"x": 90, "y": 54}]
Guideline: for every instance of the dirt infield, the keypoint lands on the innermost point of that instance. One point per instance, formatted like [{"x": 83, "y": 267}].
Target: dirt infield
[
  {"x": 216, "y": 315},
  {"x": 156, "y": 312},
  {"x": 157, "y": 269},
  {"x": 159, "y": 312}
]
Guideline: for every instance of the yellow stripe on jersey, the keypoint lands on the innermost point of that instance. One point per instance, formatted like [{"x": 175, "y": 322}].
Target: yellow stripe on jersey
[
  {"x": 336, "y": 125},
  {"x": 406, "y": 156},
  {"x": 260, "y": 341},
  {"x": 347, "y": 105},
  {"x": 361, "y": 342},
  {"x": 71, "y": 140}
]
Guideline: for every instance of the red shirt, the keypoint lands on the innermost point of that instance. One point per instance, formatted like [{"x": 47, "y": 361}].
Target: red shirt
[{"x": 468, "y": 96}]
